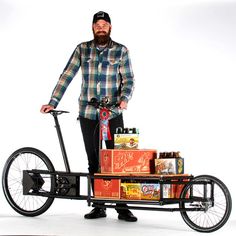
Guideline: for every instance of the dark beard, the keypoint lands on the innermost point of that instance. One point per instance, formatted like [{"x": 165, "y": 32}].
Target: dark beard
[{"x": 102, "y": 39}]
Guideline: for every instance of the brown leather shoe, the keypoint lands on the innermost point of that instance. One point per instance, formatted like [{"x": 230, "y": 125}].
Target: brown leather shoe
[
  {"x": 127, "y": 216},
  {"x": 96, "y": 213}
]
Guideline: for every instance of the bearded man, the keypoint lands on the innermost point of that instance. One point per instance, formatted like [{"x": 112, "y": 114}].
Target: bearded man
[{"x": 106, "y": 72}]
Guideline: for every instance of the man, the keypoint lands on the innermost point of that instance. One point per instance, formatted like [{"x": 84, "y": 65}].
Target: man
[{"x": 106, "y": 72}]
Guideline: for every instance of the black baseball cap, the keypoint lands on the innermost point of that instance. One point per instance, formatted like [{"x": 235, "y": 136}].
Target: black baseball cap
[{"x": 101, "y": 15}]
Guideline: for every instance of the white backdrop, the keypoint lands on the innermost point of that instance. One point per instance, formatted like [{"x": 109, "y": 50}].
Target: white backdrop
[{"x": 183, "y": 55}]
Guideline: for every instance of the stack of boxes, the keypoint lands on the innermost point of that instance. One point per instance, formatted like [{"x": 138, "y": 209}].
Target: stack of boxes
[{"x": 136, "y": 162}]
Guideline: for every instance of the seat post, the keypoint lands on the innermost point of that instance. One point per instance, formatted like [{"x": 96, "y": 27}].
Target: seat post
[{"x": 62, "y": 145}]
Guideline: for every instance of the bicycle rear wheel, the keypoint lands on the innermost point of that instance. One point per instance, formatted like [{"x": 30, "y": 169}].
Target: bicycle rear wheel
[
  {"x": 27, "y": 159},
  {"x": 217, "y": 204}
]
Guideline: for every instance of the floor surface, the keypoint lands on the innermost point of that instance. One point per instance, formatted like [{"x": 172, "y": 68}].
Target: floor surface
[{"x": 66, "y": 218}]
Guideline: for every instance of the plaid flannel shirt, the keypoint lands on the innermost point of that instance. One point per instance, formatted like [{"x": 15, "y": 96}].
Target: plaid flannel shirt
[{"x": 105, "y": 73}]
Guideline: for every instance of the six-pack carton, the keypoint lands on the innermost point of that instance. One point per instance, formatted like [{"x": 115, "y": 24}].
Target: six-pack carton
[
  {"x": 127, "y": 138},
  {"x": 169, "y": 166},
  {"x": 131, "y": 191},
  {"x": 150, "y": 191}
]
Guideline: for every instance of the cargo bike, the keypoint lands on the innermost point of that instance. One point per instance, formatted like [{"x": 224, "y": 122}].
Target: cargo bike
[{"x": 30, "y": 184}]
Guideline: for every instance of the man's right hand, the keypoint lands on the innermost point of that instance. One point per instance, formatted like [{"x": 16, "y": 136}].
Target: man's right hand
[{"x": 46, "y": 108}]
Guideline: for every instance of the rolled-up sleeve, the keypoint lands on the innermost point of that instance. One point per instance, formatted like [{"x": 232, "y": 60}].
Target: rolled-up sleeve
[
  {"x": 127, "y": 76},
  {"x": 66, "y": 77}
]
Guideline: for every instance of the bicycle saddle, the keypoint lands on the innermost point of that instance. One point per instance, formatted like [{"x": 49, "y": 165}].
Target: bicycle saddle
[{"x": 57, "y": 112}]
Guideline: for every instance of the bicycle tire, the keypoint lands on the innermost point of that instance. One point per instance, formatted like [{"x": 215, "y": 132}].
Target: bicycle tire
[
  {"x": 214, "y": 216},
  {"x": 26, "y": 158}
]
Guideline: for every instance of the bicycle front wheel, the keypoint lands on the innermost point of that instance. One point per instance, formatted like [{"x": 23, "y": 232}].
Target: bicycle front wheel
[
  {"x": 27, "y": 159},
  {"x": 210, "y": 202}
]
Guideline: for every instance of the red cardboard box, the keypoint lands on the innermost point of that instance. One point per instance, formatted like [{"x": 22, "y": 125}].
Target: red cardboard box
[
  {"x": 107, "y": 188},
  {"x": 179, "y": 188},
  {"x": 127, "y": 161}
]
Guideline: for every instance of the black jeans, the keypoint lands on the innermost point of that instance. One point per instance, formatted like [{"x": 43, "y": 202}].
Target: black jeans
[{"x": 90, "y": 132}]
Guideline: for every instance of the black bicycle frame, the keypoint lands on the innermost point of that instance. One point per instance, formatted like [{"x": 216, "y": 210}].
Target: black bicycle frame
[
  {"x": 61, "y": 141},
  {"x": 67, "y": 185},
  {"x": 32, "y": 180}
]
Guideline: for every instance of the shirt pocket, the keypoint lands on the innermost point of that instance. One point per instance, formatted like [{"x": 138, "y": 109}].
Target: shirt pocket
[
  {"x": 86, "y": 60},
  {"x": 113, "y": 62},
  {"x": 111, "y": 67},
  {"x": 88, "y": 66}
]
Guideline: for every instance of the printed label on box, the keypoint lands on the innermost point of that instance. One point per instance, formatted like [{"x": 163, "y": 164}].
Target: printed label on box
[
  {"x": 126, "y": 141},
  {"x": 168, "y": 166},
  {"x": 150, "y": 191},
  {"x": 130, "y": 191},
  {"x": 107, "y": 188}
]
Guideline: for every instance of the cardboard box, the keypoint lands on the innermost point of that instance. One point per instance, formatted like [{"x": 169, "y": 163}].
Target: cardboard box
[
  {"x": 178, "y": 189},
  {"x": 126, "y": 141},
  {"x": 131, "y": 191},
  {"x": 168, "y": 166},
  {"x": 150, "y": 191},
  {"x": 168, "y": 191},
  {"x": 107, "y": 188},
  {"x": 127, "y": 161}
]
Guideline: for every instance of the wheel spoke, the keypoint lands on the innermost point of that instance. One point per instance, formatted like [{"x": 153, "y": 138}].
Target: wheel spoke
[
  {"x": 215, "y": 211},
  {"x": 26, "y": 159}
]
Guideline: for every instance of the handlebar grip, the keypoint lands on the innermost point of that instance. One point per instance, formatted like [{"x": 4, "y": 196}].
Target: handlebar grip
[
  {"x": 104, "y": 103},
  {"x": 93, "y": 102}
]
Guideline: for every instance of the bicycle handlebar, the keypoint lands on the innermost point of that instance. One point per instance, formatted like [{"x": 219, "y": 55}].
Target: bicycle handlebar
[
  {"x": 104, "y": 103},
  {"x": 57, "y": 112}
]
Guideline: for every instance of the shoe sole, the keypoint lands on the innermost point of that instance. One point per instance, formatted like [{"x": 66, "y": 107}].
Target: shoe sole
[
  {"x": 101, "y": 216},
  {"x": 128, "y": 219}
]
